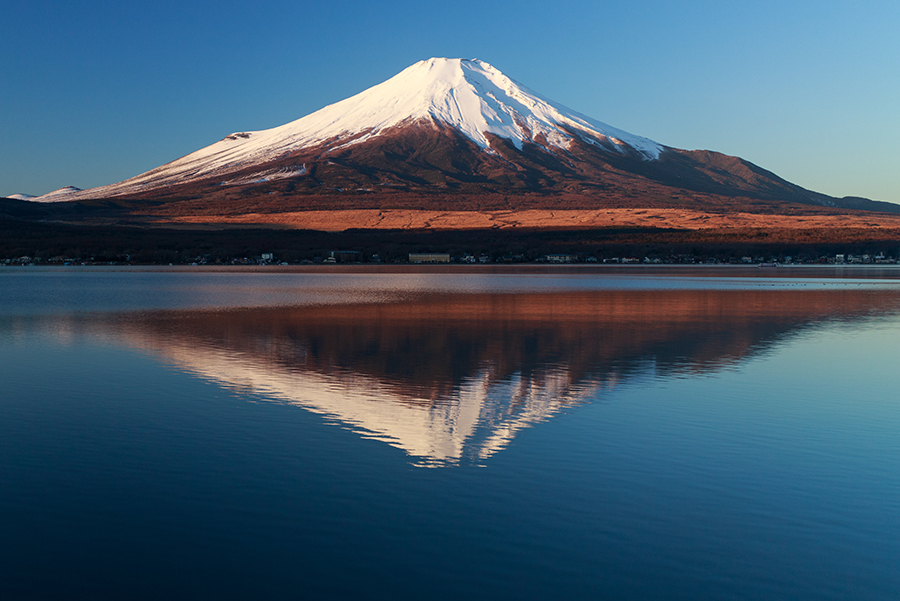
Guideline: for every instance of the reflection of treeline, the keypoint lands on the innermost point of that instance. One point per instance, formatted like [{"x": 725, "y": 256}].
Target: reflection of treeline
[
  {"x": 426, "y": 348},
  {"x": 48, "y": 241}
]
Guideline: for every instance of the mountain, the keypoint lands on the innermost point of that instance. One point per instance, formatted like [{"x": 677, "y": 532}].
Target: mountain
[{"x": 453, "y": 134}]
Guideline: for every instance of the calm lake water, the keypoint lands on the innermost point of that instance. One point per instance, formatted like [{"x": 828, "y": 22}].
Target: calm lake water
[{"x": 425, "y": 433}]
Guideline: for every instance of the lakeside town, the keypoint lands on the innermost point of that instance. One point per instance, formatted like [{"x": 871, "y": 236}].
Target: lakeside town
[{"x": 359, "y": 258}]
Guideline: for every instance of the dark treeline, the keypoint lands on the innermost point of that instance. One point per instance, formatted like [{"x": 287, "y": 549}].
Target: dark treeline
[{"x": 51, "y": 242}]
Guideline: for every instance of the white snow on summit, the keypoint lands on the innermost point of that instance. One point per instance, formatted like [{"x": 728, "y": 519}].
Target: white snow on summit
[{"x": 469, "y": 95}]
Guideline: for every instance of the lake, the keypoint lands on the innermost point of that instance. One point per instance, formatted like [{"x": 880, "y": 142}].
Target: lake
[{"x": 523, "y": 433}]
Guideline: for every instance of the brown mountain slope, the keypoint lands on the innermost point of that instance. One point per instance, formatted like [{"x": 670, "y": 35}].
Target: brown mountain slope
[{"x": 429, "y": 166}]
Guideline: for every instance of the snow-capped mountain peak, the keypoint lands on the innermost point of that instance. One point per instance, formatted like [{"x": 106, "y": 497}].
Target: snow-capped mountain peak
[{"x": 469, "y": 96}]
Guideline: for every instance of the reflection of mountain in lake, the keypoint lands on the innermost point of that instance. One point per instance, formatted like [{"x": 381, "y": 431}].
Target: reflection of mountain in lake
[{"x": 451, "y": 377}]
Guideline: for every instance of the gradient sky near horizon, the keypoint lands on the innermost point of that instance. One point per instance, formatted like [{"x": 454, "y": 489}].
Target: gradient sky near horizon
[{"x": 92, "y": 93}]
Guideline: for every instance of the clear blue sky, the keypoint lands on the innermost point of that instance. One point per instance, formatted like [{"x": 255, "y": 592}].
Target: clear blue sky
[{"x": 93, "y": 92}]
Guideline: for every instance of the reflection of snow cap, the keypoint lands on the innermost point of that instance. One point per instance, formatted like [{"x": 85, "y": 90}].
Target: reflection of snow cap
[{"x": 480, "y": 420}]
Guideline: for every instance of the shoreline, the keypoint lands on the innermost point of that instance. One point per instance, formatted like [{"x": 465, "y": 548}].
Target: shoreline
[{"x": 854, "y": 271}]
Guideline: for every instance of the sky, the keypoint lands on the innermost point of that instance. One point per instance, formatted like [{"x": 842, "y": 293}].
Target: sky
[{"x": 94, "y": 92}]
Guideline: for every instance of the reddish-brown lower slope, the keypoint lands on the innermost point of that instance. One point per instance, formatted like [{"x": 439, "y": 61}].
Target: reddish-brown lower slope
[{"x": 428, "y": 166}]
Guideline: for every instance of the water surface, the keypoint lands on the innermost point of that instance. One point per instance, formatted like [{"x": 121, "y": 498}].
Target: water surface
[{"x": 447, "y": 434}]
